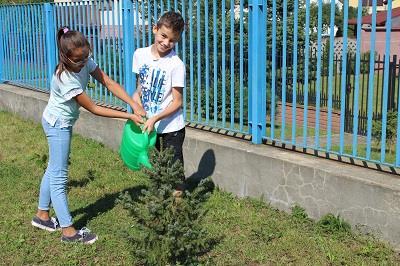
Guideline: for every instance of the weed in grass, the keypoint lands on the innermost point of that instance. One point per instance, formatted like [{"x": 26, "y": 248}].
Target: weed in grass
[
  {"x": 333, "y": 224},
  {"x": 299, "y": 213},
  {"x": 264, "y": 234},
  {"x": 326, "y": 249},
  {"x": 331, "y": 257},
  {"x": 367, "y": 250},
  {"x": 40, "y": 160},
  {"x": 257, "y": 204}
]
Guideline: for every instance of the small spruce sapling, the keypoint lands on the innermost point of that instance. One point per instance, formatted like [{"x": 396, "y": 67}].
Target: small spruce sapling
[{"x": 168, "y": 230}]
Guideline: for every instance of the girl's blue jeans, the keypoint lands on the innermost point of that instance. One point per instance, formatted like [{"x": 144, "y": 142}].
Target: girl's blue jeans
[{"x": 53, "y": 188}]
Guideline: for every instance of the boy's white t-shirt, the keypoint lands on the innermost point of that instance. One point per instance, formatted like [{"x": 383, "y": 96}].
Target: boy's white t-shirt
[{"x": 157, "y": 77}]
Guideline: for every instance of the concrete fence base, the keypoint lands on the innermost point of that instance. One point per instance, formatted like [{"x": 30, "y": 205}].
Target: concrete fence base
[{"x": 363, "y": 197}]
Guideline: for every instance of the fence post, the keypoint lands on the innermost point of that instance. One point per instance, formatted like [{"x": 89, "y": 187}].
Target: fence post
[
  {"x": 129, "y": 85},
  {"x": 257, "y": 69},
  {"x": 2, "y": 56},
  {"x": 50, "y": 41}
]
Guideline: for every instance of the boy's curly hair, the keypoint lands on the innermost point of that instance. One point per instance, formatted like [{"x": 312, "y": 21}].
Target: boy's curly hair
[{"x": 172, "y": 20}]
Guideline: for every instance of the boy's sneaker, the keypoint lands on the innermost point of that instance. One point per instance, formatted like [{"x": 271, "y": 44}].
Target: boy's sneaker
[
  {"x": 83, "y": 236},
  {"x": 177, "y": 193},
  {"x": 50, "y": 225}
]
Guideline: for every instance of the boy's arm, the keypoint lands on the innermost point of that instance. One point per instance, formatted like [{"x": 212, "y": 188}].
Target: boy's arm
[
  {"x": 171, "y": 109},
  {"x": 117, "y": 90},
  {"x": 138, "y": 93}
]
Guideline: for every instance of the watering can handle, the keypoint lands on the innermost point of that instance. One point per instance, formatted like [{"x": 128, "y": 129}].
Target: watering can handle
[{"x": 146, "y": 135}]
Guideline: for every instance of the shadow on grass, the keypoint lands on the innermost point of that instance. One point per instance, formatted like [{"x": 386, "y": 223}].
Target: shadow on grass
[
  {"x": 90, "y": 176},
  {"x": 103, "y": 205},
  {"x": 202, "y": 177},
  {"x": 78, "y": 183}
]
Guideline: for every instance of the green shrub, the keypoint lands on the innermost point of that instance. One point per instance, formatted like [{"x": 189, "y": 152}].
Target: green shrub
[{"x": 391, "y": 129}]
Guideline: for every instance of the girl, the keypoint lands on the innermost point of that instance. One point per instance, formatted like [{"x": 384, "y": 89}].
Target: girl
[{"x": 67, "y": 94}]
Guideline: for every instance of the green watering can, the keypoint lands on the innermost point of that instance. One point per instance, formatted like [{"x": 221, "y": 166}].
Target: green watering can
[{"x": 135, "y": 146}]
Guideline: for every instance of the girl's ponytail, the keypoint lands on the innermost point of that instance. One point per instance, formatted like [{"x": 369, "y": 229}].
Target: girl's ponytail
[
  {"x": 60, "y": 33},
  {"x": 61, "y": 67}
]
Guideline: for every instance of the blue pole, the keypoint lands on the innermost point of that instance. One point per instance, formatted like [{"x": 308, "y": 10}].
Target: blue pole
[
  {"x": 357, "y": 82},
  {"x": 273, "y": 82},
  {"x": 223, "y": 64},
  {"x": 149, "y": 26},
  {"x": 215, "y": 52},
  {"x": 330, "y": 81},
  {"x": 2, "y": 55},
  {"x": 344, "y": 76},
  {"x": 258, "y": 77},
  {"x": 128, "y": 53},
  {"x": 284, "y": 69},
  {"x": 184, "y": 58},
  {"x": 232, "y": 59},
  {"x": 386, "y": 80},
  {"x": 263, "y": 42},
  {"x": 199, "y": 65},
  {"x": 207, "y": 76},
  {"x": 190, "y": 15},
  {"x": 50, "y": 41},
  {"x": 397, "y": 162},
  {"x": 249, "y": 75},
  {"x": 306, "y": 66},
  {"x": 241, "y": 65},
  {"x": 294, "y": 79},
  {"x": 318, "y": 87},
  {"x": 371, "y": 81}
]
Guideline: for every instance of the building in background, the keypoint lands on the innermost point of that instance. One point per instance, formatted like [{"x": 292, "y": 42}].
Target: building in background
[{"x": 380, "y": 39}]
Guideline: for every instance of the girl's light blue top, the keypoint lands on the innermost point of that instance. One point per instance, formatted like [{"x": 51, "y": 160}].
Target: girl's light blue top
[{"x": 62, "y": 105}]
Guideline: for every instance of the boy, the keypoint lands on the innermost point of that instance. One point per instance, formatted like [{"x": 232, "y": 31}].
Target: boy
[{"x": 161, "y": 79}]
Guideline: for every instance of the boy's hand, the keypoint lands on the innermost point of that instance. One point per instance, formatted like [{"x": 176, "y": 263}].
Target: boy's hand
[
  {"x": 149, "y": 125},
  {"x": 137, "y": 119}
]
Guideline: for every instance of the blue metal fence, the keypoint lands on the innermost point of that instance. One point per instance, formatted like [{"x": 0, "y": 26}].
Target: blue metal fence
[
  {"x": 265, "y": 68},
  {"x": 23, "y": 38}
]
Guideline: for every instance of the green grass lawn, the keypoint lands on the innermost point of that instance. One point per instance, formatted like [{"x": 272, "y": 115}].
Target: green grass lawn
[
  {"x": 390, "y": 157},
  {"x": 250, "y": 232}
]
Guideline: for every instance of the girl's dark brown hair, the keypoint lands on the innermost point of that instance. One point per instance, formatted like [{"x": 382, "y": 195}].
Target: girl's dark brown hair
[{"x": 67, "y": 41}]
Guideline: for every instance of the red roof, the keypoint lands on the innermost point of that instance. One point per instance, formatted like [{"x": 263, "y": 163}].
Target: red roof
[{"x": 380, "y": 18}]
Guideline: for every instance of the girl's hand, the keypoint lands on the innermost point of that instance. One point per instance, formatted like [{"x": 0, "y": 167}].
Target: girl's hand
[
  {"x": 137, "y": 119},
  {"x": 137, "y": 109},
  {"x": 149, "y": 125}
]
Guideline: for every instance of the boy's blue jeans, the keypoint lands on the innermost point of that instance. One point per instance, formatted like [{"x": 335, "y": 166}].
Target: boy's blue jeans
[{"x": 53, "y": 188}]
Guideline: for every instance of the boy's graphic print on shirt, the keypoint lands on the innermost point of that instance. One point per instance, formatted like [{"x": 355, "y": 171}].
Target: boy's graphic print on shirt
[{"x": 152, "y": 81}]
